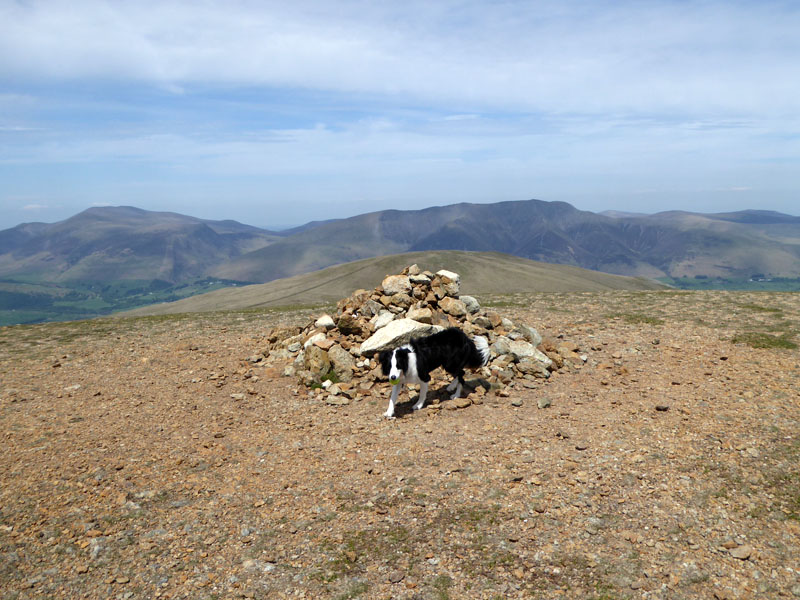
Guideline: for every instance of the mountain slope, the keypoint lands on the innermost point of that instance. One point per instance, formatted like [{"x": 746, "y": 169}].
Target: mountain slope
[
  {"x": 124, "y": 243},
  {"x": 481, "y": 274}
]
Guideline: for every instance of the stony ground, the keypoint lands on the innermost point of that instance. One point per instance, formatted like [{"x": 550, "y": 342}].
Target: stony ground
[{"x": 148, "y": 459}]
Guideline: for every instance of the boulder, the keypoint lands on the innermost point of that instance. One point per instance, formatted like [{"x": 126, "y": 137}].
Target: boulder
[
  {"x": 420, "y": 279},
  {"x": 325, "y": 322},
  {"x": 317, "y": 337},
  {"x": 453, "y": 307},
  {"x": 450, "y": 282},
  {"x": 348, "y": 325},
  {"x": 371, "y": 308},
  {"x": 402, "y": 300},
  {"x": 530, "y": 334},
  {"x": 522, "y": 350},
  {"x": 423, "y": 315},
  {"x": 396, "y": 284},
  {"x": 471, "y": 303},
  {"x": 342, "y": 362},
  {"x": 317, "y": 361},
  {"x": 396, "y": 333}
]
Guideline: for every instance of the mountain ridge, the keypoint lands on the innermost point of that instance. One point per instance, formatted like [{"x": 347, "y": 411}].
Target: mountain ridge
[{"x": 108, "y": 258}]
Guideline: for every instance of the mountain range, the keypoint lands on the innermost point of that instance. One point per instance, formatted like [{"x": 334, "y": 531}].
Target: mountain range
[{"x": 132, "y": 253}]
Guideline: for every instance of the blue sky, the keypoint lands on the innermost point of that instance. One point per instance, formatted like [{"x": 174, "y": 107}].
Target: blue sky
[{"x": 278, "y": 113}]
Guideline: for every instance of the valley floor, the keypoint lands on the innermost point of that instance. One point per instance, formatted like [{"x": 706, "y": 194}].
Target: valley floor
[{"x": 151, "y": 458}]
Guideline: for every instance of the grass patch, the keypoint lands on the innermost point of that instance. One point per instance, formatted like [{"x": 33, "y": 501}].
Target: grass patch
[
  {"x": 761, "y": 309},
  {"x": 636, "y": 318},
  {"x": 757, "y": 339},
  {"x": 441, "y": 585}
]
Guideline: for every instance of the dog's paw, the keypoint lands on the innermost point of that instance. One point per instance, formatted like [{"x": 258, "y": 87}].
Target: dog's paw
[
  {"x": 454, "y": 396},
  {"x": 388, "y": 415},
  {"x": 418, "y": 406}
]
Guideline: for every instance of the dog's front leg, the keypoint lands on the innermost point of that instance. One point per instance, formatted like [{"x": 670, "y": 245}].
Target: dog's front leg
[
  {"x": 423, "y": 393},
  {"x": 457, "y": 385},
  {"x": 389, "y": 414}
]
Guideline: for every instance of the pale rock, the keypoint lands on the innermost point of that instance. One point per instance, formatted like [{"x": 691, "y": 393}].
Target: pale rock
[
  {"x": 520, "y": 350},
  {"x": 396, "y": 333},
  {"x": 530, "y": 334},
  {"x": 382, "y": 320},
  {"x": 396, "y": 284},
  {"x": 453, "y": 307},
  {"x": 449, "y": 275},
  {"x": 402, "y": 300},
  {"x": 317, "y": 337},
  {"x": 420, "y": 279},
  {"x": 342, "y": 362},
  {"x": 423, "y": 315},
  {"x": 533, "y": 367},
  {"x": 471, "y": 303},
  {"x": 325, "y": 322},
  {"x": 413, "y": 270},
  {"x": 502, "y": 345}
]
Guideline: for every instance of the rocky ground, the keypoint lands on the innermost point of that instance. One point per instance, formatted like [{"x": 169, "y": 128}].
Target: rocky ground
[{"x": 149, "y": 458}]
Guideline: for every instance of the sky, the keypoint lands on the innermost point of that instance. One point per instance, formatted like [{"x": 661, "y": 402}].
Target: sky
[{"x": 279, "y": 113}]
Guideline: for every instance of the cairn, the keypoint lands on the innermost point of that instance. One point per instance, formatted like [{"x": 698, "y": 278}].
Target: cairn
[{"x": 335, "y": 355}]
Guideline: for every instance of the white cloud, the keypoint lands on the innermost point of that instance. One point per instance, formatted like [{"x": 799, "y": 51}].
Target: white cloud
[{"x": 549, "y": 56}]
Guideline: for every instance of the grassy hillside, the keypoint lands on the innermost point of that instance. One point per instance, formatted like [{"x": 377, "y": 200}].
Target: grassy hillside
[{"x": 481, "y": 273}]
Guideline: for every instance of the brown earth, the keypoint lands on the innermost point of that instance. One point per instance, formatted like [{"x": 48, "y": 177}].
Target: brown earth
[{"x": 148, "y": 458}]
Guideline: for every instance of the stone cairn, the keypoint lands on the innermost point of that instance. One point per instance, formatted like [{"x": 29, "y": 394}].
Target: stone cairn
[{"x": 336, "y": 355}]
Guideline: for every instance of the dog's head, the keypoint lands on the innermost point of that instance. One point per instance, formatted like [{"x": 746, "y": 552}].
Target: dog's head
[{"x": 394, "y": 363}]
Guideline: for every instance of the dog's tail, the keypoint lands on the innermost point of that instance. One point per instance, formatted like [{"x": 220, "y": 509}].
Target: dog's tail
[{"x": 481, "y": 358}]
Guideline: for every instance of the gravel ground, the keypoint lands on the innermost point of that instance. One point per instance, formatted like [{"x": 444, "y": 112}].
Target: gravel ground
[{"x": 148, "y": 458}]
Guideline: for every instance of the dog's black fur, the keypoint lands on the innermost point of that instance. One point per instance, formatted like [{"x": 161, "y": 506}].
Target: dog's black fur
[{"x": 450, "y": 349}]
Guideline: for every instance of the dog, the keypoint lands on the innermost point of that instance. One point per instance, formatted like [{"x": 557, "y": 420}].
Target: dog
[{"x": 413, "y": 362}]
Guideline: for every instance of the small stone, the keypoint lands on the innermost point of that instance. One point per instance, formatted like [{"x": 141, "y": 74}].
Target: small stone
[
  {"x": 237, "y": 396},
  {"x": 396, "y": 576},
  {"x": 516, "y": 402},
  {"x": 337, "y": 400},
  {"x": 662, "y": 407},
  {"x": 581, "y": 446},
  {"x": 543, "y": 402},
  {"x": 741, "y": 552}
]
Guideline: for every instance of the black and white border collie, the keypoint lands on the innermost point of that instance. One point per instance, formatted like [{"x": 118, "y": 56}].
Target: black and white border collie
[{"x": 413, "y": 363}]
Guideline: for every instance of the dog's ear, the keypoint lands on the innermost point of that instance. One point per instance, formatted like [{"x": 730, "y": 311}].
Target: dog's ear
[{"x": 385, "y": 358}]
